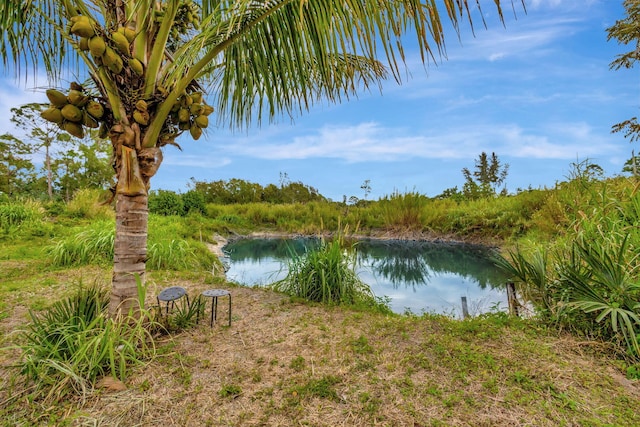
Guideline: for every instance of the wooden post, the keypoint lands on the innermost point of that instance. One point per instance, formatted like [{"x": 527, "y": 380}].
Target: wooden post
[
  {"x": 465, "y": 309},
  {"x": 512, "y": 300}
]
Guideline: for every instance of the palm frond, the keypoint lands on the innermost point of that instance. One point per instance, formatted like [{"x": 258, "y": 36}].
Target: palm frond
[
  {"x": 256, "y": 53},
  {"x": 33, "y": 34}
]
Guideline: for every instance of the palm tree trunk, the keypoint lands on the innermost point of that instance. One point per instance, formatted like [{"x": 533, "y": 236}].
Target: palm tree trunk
[
  {"x": 130, "y": 252},
  {"x": 130, "y": 246},
  {"x": 49, "y": 173}
]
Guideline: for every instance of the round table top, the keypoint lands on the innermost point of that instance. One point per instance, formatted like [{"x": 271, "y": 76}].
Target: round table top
[
  {"x": 172, "y": 293},
  {"x": 215, "y": 293}
]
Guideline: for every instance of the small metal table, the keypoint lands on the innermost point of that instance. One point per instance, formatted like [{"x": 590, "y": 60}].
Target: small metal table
[
  {"x": 214, "y": 294},
  {"x": 171, "y": 295}
]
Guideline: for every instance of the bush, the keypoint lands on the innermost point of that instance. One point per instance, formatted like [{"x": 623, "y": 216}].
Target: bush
[
  {"x": 164, "y": 202},
  {"x": 588, "y": 280},
  {"x": 193, "y": 201}
]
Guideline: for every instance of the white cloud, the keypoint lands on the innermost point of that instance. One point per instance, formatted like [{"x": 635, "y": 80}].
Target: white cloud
[
  {"x": 371, "y": 141},
  {"x": 12, "y": 96},
  {"x": 212, "y": 161}
]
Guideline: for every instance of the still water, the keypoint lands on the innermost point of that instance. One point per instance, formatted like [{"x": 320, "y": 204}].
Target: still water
[{"x": 416, "y": 276}]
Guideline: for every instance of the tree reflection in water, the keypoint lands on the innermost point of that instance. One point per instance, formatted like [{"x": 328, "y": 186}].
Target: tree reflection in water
[{"x": 414, "y": 263}]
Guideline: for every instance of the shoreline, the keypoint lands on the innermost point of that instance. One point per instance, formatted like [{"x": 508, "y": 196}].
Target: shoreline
[{"x": 408, "y": 236}]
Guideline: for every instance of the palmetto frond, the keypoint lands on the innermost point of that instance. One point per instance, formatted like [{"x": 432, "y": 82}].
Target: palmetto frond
[{"x": 600, "y": 280}]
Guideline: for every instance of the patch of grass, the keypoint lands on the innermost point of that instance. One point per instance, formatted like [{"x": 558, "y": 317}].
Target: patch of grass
[
  {"x": 361, "y": 345},
  {"x": 298, "y": 364},
  {"x": 230, "y": 391},
  {"x": 323, "y": 388}
]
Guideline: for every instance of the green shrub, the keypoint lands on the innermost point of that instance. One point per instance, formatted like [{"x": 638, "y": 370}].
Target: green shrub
[
  {"x": 590, "y": 280},
  {"x": 165, "y": 202},
  {"x": 193, "y": 201}
]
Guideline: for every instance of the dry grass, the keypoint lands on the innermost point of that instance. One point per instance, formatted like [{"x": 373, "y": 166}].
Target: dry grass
[{"x": 285, "y": 363}]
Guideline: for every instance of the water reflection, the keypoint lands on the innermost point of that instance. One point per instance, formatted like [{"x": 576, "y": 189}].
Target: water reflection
[
  {"x": 418, "y": 276},
  {"x": 414, "y": 263}
]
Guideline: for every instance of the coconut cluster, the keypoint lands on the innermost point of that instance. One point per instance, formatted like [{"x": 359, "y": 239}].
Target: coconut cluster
[
  {"x": 187, "y": 17},
  {"x": 111, "y": 51},
  {"x": 191, "y": 113},
  {"x": 115, "y": 52},
  {"x": 73, "y": 111}
]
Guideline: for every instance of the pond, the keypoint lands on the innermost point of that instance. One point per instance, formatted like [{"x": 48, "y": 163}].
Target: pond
[{"x": 415, "y": 276}]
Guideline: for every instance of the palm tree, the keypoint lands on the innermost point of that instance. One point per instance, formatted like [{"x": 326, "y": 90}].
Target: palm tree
[{"x": 149, "y": 63}]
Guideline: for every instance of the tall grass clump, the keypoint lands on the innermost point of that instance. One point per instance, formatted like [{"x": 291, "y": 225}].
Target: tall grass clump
[
  {"x": 87, "y": 203},
  {"x": 91, "y": 246},
  {"x": 178, "y": 255},
  {"x": 74, "y": 343},
  {"x": 15, "y": 213},
  {"x": 95, "y": 245},
  {"x": 23, "y": 218},
  {"x": 327, "y": 275},
  {"x": 404, "y": 211}
]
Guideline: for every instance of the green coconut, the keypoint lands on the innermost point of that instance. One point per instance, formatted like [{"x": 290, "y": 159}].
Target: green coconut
[
  {"x": 195, "y": 109},
  {"x": 72, "y": 113},
  {"x": 183, "y": 115},
  {"x": 121, "y": 42},
  {"x": 57, "y": 98},
  {"x": 97, "y": 46},
  {"x": 74, "y": 129},
  {"x": 206, "y": 109},
  {"x": 141, "y": 117},
  {"x": 83, "y": 28},
  {"x": 94, "y": 109},
  {"x": 89, "y": 121},
  {"x": 83, "y": 44},
  {"x": 52, "y": 114},
  {"x": 202, "y": 121},
  {"x": 136, "y": 66},
  {"x": 196, "y": 132},
  {"x": 77, "y": 98}
]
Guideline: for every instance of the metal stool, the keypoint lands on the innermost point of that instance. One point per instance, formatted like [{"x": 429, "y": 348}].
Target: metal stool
[
  {"x": 214, "y": 294},
  {"x": 170, "y": 296}
]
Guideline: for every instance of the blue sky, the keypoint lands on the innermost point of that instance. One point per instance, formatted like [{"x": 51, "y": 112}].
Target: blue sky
[{"x": 538, "y": 92}]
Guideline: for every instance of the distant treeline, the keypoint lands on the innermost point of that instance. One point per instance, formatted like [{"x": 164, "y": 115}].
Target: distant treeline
[
  {"x": 229, "y": 192},
  {"x": 241, "y": 191}
]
